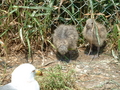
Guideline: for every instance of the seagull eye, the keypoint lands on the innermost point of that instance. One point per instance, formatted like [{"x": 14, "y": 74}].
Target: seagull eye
[{"x": 33, "y": 71}]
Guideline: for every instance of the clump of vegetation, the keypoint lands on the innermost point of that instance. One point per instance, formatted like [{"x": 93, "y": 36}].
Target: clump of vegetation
[
  {"x": 56, "y": 78},
  {"x": 29, "y": 25}
]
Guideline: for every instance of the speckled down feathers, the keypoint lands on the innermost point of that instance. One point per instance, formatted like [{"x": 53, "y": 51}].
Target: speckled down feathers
[
  {"x": 65, "y": 38},
  {"x": 89, "y": 32}
]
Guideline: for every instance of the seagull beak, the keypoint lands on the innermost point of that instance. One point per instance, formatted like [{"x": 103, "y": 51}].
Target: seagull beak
[{"x": 38, "y": 72}]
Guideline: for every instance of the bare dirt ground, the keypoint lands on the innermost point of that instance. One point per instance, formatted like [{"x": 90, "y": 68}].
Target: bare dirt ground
[{"x": 102, "y": 73}]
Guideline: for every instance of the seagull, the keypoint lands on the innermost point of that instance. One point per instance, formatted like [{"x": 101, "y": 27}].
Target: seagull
[{"x": 23, "y": 78}]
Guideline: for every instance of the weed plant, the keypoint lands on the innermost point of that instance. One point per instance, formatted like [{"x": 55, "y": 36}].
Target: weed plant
[
  {"x": 28, "y": 25},
  {"x": 56, "y": 78}
]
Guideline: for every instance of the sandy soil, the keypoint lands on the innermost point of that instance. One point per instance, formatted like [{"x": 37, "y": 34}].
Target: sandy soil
[{"x": 101, "y": 73}]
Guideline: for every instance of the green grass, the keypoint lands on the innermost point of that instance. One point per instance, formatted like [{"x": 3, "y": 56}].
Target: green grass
[
  {"x": 29, "y": 26},
  {"x": 56, "y": 78}
]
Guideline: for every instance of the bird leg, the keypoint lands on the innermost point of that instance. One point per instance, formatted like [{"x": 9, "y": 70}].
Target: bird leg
[
  {"x": 71, "y": 54},
  {"x": 97, "y": 55},
  {"x": 90, "y": 49},
  {"x": 98, "y": 49}
]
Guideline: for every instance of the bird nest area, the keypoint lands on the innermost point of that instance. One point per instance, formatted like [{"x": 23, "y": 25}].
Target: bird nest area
[
  {"x": 84, "y": 73},
  {"x": 26, "y": 36}
]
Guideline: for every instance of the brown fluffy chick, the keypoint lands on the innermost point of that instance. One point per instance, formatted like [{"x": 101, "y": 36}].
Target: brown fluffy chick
[
  {"x": 89, "y": 33},
  {"x": 65, "y": 38}
]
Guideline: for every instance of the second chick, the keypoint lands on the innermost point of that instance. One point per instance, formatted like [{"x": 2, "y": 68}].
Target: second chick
[{"x": 89, "y": 33}]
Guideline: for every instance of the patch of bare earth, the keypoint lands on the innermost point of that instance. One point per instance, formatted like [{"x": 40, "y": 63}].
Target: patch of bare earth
[{"x": 102, "y": 73}]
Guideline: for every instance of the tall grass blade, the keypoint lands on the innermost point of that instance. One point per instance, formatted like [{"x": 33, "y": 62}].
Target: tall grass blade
[
  {"x": 21, "y": 36},
  {"x": 3, "y": 33},
  {"x": 69, "y": 13},
  {"x": 29, "y": 46},
  {"x": 91, "y": 6},
  {"x": 94, "y": 25},
  {"x": 31, "y": 7}
]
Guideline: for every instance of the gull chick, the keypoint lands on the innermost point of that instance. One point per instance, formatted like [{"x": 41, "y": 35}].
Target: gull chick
[
  {"x": 89, "y": 33},
  {"x": 65, "y": 38}
]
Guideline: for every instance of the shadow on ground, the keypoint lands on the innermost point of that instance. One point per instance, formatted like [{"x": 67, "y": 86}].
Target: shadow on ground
[
  {"x": 71, "y": 55},
  {"x": 101, "y": 73}
]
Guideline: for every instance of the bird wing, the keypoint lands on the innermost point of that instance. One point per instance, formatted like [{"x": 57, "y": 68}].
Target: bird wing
[{"x": 7, "y": 87}]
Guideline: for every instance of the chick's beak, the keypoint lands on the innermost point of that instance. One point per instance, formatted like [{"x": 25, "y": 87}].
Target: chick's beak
[{"x": 38, "y": 72}]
